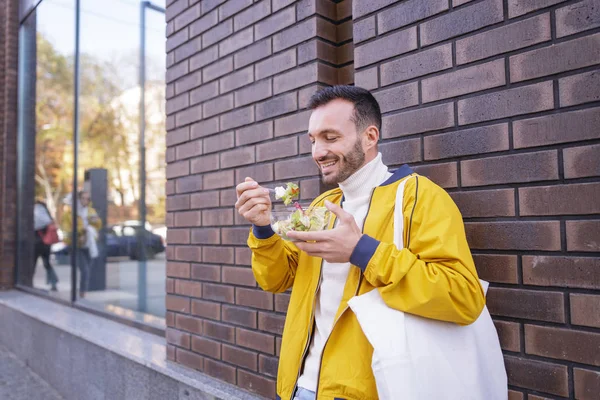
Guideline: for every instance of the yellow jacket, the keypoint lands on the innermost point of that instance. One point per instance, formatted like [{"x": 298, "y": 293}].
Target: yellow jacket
[
  {"x": 434, "y": 277},
  {"x": 67, "y": 225}
]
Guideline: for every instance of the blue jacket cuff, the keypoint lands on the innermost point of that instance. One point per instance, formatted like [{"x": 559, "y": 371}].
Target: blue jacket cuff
[
  {"x": 262, "y": 232},
  {"x": 363, "y": 252}
]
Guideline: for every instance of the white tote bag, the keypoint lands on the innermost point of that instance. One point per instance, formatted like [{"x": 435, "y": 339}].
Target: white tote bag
[{"x": 418, "y": 358}]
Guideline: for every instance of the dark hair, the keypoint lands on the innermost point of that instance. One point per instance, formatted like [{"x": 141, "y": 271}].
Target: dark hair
[{"x": 366, "y": 108}]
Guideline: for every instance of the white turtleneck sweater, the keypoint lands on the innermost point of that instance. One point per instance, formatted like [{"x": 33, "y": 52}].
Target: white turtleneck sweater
[{"x": 357, "y": 192}]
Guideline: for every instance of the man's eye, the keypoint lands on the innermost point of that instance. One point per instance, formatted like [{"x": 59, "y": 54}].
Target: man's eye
[{"x": 331, "y": 139}]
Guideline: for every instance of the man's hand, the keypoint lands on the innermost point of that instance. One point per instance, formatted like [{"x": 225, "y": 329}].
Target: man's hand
[
  {"x": 254, "y": 203},
  {"x": 335, "y": 245}
]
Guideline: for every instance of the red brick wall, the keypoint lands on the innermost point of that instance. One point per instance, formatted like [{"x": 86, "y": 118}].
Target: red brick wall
[
  {"x": 9, "y": 31},
  {"x": 497, "y": 101}
]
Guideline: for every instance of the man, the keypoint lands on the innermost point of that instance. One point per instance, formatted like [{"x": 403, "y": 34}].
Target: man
[{"x": 324, "y": 353}]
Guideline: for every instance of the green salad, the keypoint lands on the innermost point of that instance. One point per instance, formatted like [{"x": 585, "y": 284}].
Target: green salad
[
  {"x": 287, "y": 194},
  {"x": 313, "y": 219}
]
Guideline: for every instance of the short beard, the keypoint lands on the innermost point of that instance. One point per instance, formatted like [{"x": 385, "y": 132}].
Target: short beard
[{"x": 350, "y": 162}]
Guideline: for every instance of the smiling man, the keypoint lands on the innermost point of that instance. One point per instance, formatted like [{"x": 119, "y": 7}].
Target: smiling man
[{"x": 324, "y": 353}]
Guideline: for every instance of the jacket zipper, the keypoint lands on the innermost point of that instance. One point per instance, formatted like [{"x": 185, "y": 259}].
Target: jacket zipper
[{"x": 345, "y": 309}]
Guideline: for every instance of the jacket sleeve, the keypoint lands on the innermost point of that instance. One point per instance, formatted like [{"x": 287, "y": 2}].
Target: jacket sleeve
[
  {"x": 434, "y": 276},
  {"x": 274, "y": 260}
]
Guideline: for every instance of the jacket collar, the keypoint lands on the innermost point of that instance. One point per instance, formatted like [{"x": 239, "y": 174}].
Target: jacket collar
[{"x": 399, "y": 174}]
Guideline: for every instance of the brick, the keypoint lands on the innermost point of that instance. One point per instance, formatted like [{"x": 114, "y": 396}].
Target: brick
[
  {"x": 174, "y": 8},
  {"x": 217, "y": 33},
  {"x": 190, "y": 324},
  {"x": 398, "y": 97},
  {"x": 236, "y": 42},
  {"x": 236, "y": 157},
  {"x": 236, "y": 236},
  {"x": 205, "y": 128},
  {"x": 559, "y": 200},
  {"x": 526, "y": 304},
  {"x": 254, "y": 298},
  {"x": 178, "y": 236},
  {"x": 208, "y": 5},
  {"x": 345, "y": 53},
  {"x": 253, "y": 53},
  {"x": 171, "y": 352},
  {"x": 418, "y": 121},
  {"x": 581, "y": 235},
  {"x": 204, "y": 200},
  {"x": 401, "y": 151},
  {"x": 205, "y": 236},
  {"x": 275, "y": 23},
  {"x": 170, "y": 157},
  {"x": 255, "y": 340},
  {"x": 506, "y": 103},
  {"x": 579, "y": 89},
  {"x": 305, "y": 94},
  {"x": 260, "y": 173},
  {"x": 211, "y": 273},
  {"x": 191, "y": 253},
  {"x": 485, "y": 203},
  {"x": 271, "y": 323},
  {"x": 389, "y": 46},
  {"x": 302, "y": 76},
  {"x": 464, "y": 81},
  {"x": 228, "y": 196},
  {"x": 557, "y": 128},
  {"x": 294, "y": 168},
  {"x": 189, "y": 150},
  {"x": 188, "y": 288},
  {"x": 279, "y": 4},
  {"x": 445, "y": 175},
  {"x": 177, "y": 103},
  {"x": 181, "y": 168},
  {"x": 316, "y": 49},
  {"x": 217, "y": 69},
  {"x": 170, "y": 288},
  {"x": 537, "y": 375},
  {"x": 204, "y": 92},
  {"x": 187, "y": 17},
  {"x": 188, "y": 116},
  {"x": 578, "y": 17},
  {"x": 258, "y": 91},
  {"x": 219, "y": 331},
  {"x": 360, "y": 8},
  {"x": 178, "y": 338},
  {"x": 188, "y": 218},
  {"x": 178, "y": 136},
  {"x": 217, "y": 143},
  {"x": 170, "y": 123},
  {"x": 292, "y": 123},
  {"x": 204, "y": 58},
  {"x": 236, "y": 80},
  {"x": 256, "y": 383},
  {"x": 203, "y": 24},
  {"x": 587, "y": 383},
  {"x": 205, "y": 163},
  {"x": 508, "y": 333},
  {"x": 237, "y": 118},
  {"x": 189, "y": 359},
  {"x": 485, "y": 139},
  {"x": 218, "y": 217},
  {"x": 422, "y": 63},
  {"x": 408, "y": 12},
  {"x": 231, "y": 8},
  {"x": 176, "y": 40},
  {"x": 240, "y": 357},
  {"x": 575, "y": 272},
  {"x": 344, "y": 32},
  {"x": 461, "y": 21},
  {"x": 187, "y": 50},
  {"x": 277, "y": 346},
  {"x": 218, "y": 255},
  {"x": 306, "y": 8},
  {"x": 344, "y": 9},
  {"x": 268, "y": 365},
  {"x": 563, "y": 344},
  {"x": 176, "y": 203},
  {"x": 497, "y": 268},
  {"x": 218, "y": 105},
  {"x": 585, "y": 310},
  {"x": 565, "y": 56},
  {"x": 220, "y": 371},
  {"x": 304, "y": 144},
  {"x": 177, "y": 303},
  {"x": 276, "y": 64},
  {"x": 282, "y": 301},
  {"x": 206, "y": 347},
  {"x": 254, "y": 133},
  {"x": 189, "y": 184},
  {"x": 364, "y": 30},
  {"x": 217, "y": 180},
  {"x": 303, "y": 31},
  {"x": 310, "y": 189},
  {"x": 281, "y": 148},
  {"x": 520, "y": 7},
  {"x": 239, "y": 316},
  {"x": 276, "y": 106},
  {"x": 178, "y": 270},
  {"x": 516, "y": 235},
  {"x": 251, "y": 15}
]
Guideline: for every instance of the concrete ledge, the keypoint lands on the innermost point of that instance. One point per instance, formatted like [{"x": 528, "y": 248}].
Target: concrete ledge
[{"x": 86, "y": 356}]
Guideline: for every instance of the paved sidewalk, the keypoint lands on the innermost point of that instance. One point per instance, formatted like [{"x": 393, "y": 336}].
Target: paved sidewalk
[{"x": 19, "y": 382}]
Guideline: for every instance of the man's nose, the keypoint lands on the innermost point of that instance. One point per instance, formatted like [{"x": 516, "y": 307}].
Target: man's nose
[{"x": 319, "y": 150}]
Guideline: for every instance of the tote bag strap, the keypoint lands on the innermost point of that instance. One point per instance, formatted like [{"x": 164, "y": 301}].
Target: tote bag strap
[{"x": 399, "y": 215}]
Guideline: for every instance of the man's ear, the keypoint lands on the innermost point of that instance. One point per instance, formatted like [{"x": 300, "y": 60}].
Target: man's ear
[{"x": 371, "y": 137}]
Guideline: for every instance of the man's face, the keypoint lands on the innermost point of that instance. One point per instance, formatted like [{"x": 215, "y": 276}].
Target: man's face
[
  {"x": 85, "y": 199},
  {"x": 337, "y": 147}
]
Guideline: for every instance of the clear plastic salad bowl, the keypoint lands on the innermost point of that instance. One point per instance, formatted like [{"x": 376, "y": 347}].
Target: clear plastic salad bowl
[{"x": 305, "y": 220}]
